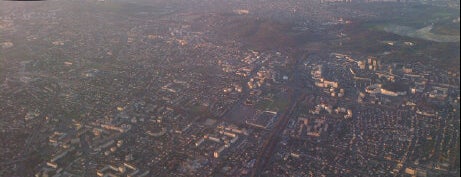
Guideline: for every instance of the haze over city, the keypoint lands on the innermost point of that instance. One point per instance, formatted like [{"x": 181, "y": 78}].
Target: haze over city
[{"x": 302, "y": 88}]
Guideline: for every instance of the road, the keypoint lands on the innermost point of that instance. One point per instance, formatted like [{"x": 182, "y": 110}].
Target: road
[
  {"x": 269, "y": 145},
  {"x": 296, "y": 93}
]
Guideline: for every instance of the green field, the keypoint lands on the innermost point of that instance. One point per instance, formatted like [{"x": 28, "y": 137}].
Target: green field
[
  {"x": 419, "y": 21},
  {"x": 279, "y": 103},
  {"x": 423, "y": 33}
]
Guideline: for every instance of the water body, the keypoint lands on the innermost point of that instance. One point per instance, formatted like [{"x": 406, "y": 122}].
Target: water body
[{"x": 423, "y": 33}]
